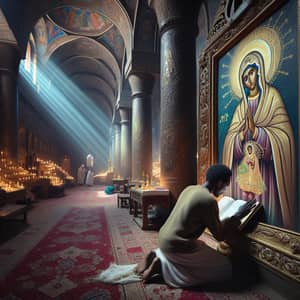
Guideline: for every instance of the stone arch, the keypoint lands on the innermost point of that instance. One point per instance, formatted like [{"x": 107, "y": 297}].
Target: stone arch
[
  {"x": 88, "y": 65},
  {"x": 97, "y": 96},
  {"x": 89, "y": 81},
  {"x": 87, "y": 47},
  {"x": 112, "y": 9}
]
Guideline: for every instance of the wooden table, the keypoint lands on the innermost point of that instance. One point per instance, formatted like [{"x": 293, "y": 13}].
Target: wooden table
[
  {"x": 13, "y": 197},
  {"x": 117, "y": 182},
  {"x": 144, "y": 199}
]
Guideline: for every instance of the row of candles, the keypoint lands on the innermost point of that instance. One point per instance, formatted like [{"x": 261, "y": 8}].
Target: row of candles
[
  {"x": 14, "y": 177},
  {"x": 54, "y": 172}
]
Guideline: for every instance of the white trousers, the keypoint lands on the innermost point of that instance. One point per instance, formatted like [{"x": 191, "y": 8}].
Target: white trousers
[{"x": 193, "y": 269}]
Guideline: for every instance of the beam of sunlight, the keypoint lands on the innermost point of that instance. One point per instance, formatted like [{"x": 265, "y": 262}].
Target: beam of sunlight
[{"x": 82, "y": 120}]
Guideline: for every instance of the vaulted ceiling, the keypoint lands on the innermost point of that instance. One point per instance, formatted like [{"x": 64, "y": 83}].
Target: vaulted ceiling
[
  {"x": 92, "y": 42},
  {"x": 86, "y": 38},
  {"x": 87, "y": 44}
]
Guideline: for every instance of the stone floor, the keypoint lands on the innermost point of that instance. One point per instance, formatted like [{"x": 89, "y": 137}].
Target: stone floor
[{"x": 45, "y": 213}]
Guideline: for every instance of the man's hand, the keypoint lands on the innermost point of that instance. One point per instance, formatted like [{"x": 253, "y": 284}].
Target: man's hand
[{"x": 245, "y": 209}]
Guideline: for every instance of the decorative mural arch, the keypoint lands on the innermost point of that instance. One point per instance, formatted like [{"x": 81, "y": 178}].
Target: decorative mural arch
[
  {"x": 87, "y": 47},
  {"x": 111, "y": 9},
  {"x": 32, "y": 60},
  {"x": 40, "y": 35},
  {"x": 80, "y": 21}
]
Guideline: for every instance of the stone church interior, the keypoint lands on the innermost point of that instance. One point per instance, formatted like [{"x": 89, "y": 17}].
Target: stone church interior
[{"x": 111, "y": 110}]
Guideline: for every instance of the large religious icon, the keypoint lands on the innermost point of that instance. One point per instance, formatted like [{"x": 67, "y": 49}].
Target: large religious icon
[{"x": 258, "y": 121}]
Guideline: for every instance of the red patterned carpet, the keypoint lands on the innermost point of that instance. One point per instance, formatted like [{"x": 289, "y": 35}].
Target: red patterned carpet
[
  {"x": 82, "y": 243},
  {"x": 62, "y": 265},
  {"x": 132, "y": 244}
]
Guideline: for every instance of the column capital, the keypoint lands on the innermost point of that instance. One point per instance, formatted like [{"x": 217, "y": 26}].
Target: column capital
[
  {"x": 173, "y": 13},
  {"x": 125, "y": 114},
  {"x": 10, "y": 57},
  {"x": 140, "y": 83},
  {"x": 116, "y": 126},
  {"x": 10, "y": 50}
]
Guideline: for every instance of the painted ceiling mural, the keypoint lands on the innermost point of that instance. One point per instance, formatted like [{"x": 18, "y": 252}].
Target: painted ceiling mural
[
  {"x": 54, "y": 32},
  {"x": 41, "y": 36},
  {"x": 88, "y": 23},
  {"x": 113, "y": 10},
  {"x": 113, "y": 41},
  {"x": 80, "y": 21}
]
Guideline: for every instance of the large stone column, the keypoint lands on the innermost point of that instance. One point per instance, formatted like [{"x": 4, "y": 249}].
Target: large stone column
[
  {"x": 141, "y": 86},
  {"x": 178, "y": 142},
  {"x": 125, "y": 142},
  {"x": 9, "y": 62},
  {"x": 112, "y": 150},
  {"x": 117, "y": 148}
]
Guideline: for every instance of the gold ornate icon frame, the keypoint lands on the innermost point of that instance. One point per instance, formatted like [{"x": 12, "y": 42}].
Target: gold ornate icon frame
[{"x": 274, "y": 247}]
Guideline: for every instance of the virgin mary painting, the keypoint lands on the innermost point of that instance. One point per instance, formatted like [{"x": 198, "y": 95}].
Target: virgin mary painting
[{"x": 261, "y": 118}]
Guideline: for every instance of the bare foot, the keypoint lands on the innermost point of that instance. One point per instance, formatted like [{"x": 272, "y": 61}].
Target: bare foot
[
  {"x": 146, "y": 263},
  {"x": 154, "y": 268}
]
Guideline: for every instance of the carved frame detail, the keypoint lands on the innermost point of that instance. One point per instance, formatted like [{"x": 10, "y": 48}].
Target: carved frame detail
[{"x": 274, "y": 247}]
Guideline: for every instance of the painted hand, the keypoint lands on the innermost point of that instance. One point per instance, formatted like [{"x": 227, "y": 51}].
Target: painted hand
[{"x": 250, "y": 122}]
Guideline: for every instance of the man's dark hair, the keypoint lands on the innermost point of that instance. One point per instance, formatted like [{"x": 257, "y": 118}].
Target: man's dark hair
[{"x": 218, "y": 172}]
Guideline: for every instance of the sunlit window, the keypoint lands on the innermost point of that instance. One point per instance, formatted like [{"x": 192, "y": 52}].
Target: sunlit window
[
  {"x": 34, "y": 61},
  {"x": 28, "y": 58}
]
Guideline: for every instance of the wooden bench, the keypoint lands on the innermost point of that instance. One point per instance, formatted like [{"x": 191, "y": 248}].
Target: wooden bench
[{"x": 10, "y": 211}]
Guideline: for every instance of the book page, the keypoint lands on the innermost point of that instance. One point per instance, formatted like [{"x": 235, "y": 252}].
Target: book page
[
  {"x": 253, "y": 209},
  {"x": 224, "y": 203},
  {"x": 229, "y": 207}
]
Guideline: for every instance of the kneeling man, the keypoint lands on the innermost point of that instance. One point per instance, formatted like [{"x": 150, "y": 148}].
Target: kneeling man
[{"x": 182, "y": 259}]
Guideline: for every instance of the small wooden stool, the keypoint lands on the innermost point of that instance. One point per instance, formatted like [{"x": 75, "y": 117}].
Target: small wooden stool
[{"x": 123, "y": 199}]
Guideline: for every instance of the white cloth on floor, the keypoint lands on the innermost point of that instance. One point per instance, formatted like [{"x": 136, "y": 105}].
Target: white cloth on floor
[
  {"x": 119, "y": 274},
  {"x": 193, "y": 269}
]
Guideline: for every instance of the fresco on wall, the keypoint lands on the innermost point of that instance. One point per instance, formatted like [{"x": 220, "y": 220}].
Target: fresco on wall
[
  {"x": 113, "y": 41},
  {"x": 54, "y": 32},
  {"x": 41, "y": 38},
  {"x": 80, "y": 21},
  {"x": 258, "y": 116}
]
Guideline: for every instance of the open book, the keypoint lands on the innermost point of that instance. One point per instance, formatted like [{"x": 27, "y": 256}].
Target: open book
[{"x": 229, "y": 207}]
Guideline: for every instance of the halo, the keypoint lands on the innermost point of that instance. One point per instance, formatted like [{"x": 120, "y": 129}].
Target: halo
[{"x": 267, "y": 42}]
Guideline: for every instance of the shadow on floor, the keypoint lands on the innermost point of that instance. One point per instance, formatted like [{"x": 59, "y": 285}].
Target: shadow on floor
[
  {"x": 245, "y": 275},
  {"x": 11, "y": 228}
]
